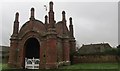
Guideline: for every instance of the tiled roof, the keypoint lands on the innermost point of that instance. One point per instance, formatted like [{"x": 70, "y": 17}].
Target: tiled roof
[{"x": 92, "y": 48}]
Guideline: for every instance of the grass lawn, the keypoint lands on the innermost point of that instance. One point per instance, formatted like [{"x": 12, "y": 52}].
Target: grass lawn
[
  {"x": 3, "y": 66},
  {"x": 0, "y": 66},
  {"x": 92, "y": 66},
  {"x": 80, "y": 67}
]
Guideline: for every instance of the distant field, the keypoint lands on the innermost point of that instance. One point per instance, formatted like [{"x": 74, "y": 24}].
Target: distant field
[{"x": 80, "y": 67}]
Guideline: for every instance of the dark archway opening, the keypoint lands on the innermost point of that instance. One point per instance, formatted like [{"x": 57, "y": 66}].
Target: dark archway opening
[{"x": 32, "y": 48}]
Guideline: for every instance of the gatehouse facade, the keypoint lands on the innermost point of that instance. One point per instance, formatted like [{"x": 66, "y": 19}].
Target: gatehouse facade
[{"x": 41, "y": 44}]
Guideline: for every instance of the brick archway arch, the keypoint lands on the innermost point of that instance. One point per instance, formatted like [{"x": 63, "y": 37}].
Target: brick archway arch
[
  {"x": 21, "y": 46},
  {"x": 32, "y": 51}
]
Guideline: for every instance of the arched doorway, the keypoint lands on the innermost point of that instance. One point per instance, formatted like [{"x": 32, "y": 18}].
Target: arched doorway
[{"x": 32, "y": 53}]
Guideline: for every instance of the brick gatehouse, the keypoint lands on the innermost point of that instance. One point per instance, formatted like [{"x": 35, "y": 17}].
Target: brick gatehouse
[{"x": 51, "y": 42}]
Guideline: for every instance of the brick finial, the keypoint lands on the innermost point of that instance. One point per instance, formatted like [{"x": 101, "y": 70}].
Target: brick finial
[
  {"x": 51, "y": 6},
  {"x": 16, "y": 24},
  {"x": 51, "y": 16},
  {"x": 46, "y": 19},
  {"x": 70, "y": 20},
  {"x": 16, "y": 17},
  {"x": 71, "y": 28},
  {"x": 63, "y": 16},
  {"x": 32, "y": 14}
]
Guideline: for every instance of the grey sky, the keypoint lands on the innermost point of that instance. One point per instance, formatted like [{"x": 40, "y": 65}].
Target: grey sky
[{"x": 94, "y": 22}]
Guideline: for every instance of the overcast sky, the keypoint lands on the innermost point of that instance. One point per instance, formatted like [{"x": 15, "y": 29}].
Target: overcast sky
[{"x": 94, "y": 22}]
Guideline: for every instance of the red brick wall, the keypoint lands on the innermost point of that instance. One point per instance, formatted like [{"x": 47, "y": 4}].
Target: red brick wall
[
  {"x": 66, "y": 50},
  {"x": 94, "y": 59}
]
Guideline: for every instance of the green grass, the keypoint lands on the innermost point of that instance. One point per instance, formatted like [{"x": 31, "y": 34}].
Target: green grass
[
  {"x": 81, "y": 66},
  {"x": 3, "y": 66},
  {"x": 92, "y": 66},
  {"x": 0, "y": 66}
]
